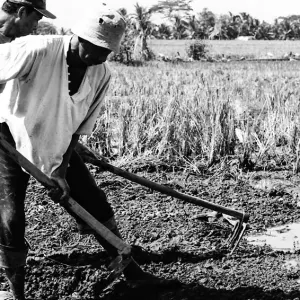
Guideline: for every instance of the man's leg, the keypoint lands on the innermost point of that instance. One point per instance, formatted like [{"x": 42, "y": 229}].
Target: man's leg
[
  {"x": 13, "y": 250},
  {"x": 85, "y": 191}
]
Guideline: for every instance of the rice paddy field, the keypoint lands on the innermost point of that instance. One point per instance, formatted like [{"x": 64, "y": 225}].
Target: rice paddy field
[
  {"x": 225, "y": 132},
  {"x": 251, "y": 49},
  {"x": 199, "y": 113}
]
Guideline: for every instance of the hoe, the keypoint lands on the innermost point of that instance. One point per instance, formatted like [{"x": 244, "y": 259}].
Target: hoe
[
  {"x": 242, "y": 218},
  {"x": 122, "y": 261}
]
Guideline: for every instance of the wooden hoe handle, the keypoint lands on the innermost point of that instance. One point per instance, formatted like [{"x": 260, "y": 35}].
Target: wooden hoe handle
[
  {"x": 71, "y": 204},
  {"x": 170, "y": 192}
]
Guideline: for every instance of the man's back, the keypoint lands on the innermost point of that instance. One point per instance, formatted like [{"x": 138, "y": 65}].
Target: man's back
[
  {"x": 3, "y": 39},
  {"x": 36, "y": 103}
]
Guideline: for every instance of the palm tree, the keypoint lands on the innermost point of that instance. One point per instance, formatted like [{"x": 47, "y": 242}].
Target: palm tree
[
  {"x": 142, "y": 27},
  {"x": 224, "y": 29},
  {"x": 207, "y": 21},
  {"x": 266, "y": 32},
  {"x": 195, "y": 30},
  {"x": 45, "y": 28},
  {"x": 171, "y": 7},
  {"x": 163, "y": 31},
  {"x": 180, "y": 27},
  {"x": 177, "y": 12}
]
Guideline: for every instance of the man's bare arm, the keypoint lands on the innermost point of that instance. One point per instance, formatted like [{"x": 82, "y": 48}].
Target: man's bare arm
[{"x": 59, "y": 174}]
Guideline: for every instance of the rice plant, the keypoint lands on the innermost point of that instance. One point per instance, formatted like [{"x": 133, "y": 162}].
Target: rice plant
[{"x": 202, "y": 112}]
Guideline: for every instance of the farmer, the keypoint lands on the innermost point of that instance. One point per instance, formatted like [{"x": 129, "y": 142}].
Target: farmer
[
  {"x": 54, "y": 89},
  {"x": 20, "y": 17}
]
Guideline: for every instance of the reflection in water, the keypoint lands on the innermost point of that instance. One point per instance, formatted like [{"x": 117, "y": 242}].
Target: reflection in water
[
  {"x": 282, "y": 238},
  {"x": 291, "y": 264},
  {"x": 268, "y": 184}
]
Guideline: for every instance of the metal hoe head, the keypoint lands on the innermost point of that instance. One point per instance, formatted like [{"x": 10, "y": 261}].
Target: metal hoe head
[
  {"x": 116, "y": 268},
  {"x": 118, "y": 265},
  {"x": 237, "y": 233}
]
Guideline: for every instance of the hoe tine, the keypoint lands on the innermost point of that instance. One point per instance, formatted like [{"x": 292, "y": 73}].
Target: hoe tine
[
  {"x": 116, "y": 267},
  {"x": 233, "y": 234},
  {"x": 237, "y": 233},
  {"x": 238, "y": 236}
]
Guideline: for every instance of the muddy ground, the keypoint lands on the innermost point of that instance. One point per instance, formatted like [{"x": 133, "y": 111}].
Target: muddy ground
[{"x": 171, "y": 239}]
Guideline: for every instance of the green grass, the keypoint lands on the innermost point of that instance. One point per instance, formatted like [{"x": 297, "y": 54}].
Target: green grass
[{"x": 254, "y": 49}]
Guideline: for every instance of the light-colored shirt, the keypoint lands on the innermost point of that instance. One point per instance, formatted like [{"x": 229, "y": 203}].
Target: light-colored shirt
[
  {"x": 36, "y": 104},
  {"x": 3, "y": 39}
]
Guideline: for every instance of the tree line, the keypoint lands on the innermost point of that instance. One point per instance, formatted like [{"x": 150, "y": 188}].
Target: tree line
[{"x": 179, "y": 21}]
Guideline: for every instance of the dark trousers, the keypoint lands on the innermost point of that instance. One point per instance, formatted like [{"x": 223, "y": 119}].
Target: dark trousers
[{"x": 13, "y": 184}]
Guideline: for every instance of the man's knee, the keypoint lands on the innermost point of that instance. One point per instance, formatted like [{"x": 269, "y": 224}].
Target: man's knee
[
  {"x": 101, "y": 195},
  {"x": 100, "y": 208},
  {"x": 95, "y": 202},
  {"x": 104, "y": 207}
]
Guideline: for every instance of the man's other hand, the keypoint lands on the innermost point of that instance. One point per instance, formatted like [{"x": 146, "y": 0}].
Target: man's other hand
[
  {"x": 62, "y": 192},
  {"x": 89, "y": 156}
]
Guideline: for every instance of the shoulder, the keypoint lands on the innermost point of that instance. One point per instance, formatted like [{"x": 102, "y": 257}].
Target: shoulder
[{"x": 39, "y": 44}]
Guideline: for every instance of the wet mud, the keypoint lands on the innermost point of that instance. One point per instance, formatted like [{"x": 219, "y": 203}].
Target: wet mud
[{"x": 170, "y": 239}]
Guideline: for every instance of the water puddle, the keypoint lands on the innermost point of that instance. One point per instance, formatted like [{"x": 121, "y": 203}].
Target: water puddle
[
  {"x": 281, "y": 238},
  {"x": 269, "y": 184},
  {"x": 291, "y": 264},
  {"x": 284, "y": 238}
]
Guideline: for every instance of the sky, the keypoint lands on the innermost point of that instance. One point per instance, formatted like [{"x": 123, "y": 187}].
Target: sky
[{"x": 68, "y": 11}]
